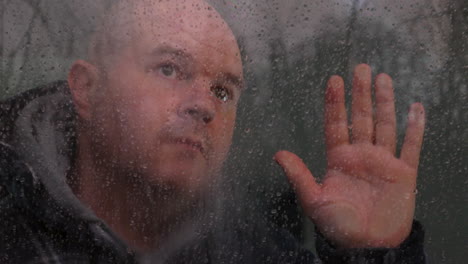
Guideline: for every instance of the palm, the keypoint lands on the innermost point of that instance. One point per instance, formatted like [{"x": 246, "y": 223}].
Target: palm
[
  {"x": 366, "y": 198},
  {"x": 354, "y": 193}
]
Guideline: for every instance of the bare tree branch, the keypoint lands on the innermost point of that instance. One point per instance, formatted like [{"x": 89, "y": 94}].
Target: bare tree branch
[{"x": 23, "y": 44}]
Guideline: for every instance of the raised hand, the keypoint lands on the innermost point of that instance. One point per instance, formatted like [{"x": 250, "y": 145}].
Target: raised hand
[{"x": 367, "y": 196}]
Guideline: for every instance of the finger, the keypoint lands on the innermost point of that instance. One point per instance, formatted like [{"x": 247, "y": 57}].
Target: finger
[
  {"x": 336, "y": 123},
  {"x": 385, "y": 127},
  {"x": 362, "y": 125},
  {"x": 299, "y": 176},
  {"x": 414, "y": 135}
]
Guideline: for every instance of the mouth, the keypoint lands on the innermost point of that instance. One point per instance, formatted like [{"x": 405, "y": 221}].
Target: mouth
[{"x": 191, "y": 143}]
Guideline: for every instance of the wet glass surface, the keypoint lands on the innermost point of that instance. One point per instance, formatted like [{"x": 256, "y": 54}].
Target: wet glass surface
[{"x": 289, "y": 50}]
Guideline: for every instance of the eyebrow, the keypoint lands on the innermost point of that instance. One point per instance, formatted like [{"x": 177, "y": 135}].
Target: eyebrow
[
  {"x": 229, "y": 77},
  {"x": 176, "y": 52},
  {"x": 233, "y": 79}
]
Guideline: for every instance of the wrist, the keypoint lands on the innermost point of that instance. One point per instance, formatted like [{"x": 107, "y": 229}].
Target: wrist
[{"x": 409, "y": 251}]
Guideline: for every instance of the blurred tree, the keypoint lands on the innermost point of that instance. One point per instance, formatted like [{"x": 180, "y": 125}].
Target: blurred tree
[{"x": 296, "y": 79}]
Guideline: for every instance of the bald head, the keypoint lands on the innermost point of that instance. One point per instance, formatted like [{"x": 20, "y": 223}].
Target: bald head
[
  {"x": 156, "y": 103},
  {"x": 128, "y": 20},
  {"x": 163, "y": 104}
]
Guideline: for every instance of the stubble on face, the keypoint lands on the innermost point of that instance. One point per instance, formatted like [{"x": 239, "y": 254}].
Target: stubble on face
[
  {"x": 154, "y": 144},
  {"x": 139, "y": 128}
]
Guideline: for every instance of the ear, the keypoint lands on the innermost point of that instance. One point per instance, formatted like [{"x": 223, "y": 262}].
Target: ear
[{"x": 82, "y": 80}]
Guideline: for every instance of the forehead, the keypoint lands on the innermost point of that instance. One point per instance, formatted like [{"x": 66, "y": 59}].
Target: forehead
[{"x": 192, "y": 26}]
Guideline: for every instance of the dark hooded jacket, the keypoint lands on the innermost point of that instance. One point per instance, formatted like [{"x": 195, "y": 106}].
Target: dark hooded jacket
[{"x": 42, "y": 221}]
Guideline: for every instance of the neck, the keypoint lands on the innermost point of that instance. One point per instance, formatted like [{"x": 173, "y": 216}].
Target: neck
[{"x": 141, "y": 214}]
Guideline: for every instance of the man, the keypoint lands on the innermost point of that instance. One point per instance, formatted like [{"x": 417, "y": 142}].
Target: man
[{"x": 120, "y": 164}]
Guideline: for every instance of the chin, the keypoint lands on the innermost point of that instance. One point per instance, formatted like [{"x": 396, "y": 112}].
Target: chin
[
  {"x": 179, "y": 168},
  {"x": 181, "y": 177}
]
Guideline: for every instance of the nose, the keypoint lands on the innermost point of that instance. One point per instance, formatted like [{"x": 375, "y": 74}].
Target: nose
[
  {"x": 198, "y": 105},
  {"x": 199, "y": 113}
]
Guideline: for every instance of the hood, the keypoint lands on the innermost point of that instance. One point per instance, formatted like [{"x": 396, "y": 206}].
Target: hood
[
  {"x": 40, "y": 129},
  {"x": 37, "y": 146},
  {"x": 37, "y": 132}
]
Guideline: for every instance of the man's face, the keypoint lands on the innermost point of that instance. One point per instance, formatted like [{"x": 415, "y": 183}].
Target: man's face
[{"x": 167, "y": 105}]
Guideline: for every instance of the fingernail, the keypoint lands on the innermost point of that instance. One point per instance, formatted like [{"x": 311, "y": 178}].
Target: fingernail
[
  {"x": 416, "y": 113},
  {"x": 383, "y": 81},
  {"x": 362, "y": 71},
  {"x": 335, "y": 81},
  {"x": 411, "y": 116}
]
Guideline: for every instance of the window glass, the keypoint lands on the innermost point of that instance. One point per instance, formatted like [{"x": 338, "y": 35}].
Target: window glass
[{"x": 289, "y": 50}]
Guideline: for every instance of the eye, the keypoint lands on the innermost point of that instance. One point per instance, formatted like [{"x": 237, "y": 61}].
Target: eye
[
  {"x": 168, "y": 70},
  {"x": 222, "y": 93}
]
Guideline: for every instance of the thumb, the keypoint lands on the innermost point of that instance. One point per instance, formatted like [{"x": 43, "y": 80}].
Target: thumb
[{"x": 299, "y": 176}]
